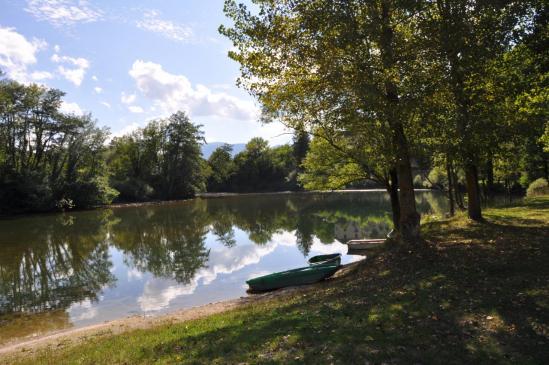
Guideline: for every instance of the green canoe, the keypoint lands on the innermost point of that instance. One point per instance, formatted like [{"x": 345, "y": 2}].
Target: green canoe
[
  {"x": 301, "y": 276},
  {"x": 332, "y": 259}
]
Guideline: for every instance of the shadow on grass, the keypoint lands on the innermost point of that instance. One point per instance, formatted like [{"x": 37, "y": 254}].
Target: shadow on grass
[
  {"x": 484, "y": 302},
  {"x": 479, "y": 294}
]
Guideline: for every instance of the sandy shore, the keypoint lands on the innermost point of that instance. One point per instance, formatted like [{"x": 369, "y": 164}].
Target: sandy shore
[{"x": 75, "y": 336}]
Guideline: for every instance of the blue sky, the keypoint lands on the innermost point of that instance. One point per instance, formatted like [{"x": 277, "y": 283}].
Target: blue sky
[{"x": 127, "y": 62}]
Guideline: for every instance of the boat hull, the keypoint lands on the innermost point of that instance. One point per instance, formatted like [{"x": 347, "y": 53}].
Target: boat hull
[
  {"x": 333, "y": 259},
  {"x": 301, "y": 276},
  {"x": 365, "y": 244}
]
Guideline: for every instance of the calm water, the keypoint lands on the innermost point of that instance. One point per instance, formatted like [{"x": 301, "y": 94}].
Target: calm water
[{"x": 75, "y": 269}]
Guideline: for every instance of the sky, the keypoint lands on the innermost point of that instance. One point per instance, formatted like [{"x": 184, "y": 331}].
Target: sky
[{"x": 128, "y": 62}]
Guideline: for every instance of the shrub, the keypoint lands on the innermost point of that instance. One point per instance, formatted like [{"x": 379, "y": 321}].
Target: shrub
[
  {"x": 538, "y": 187},
  {"x": 418, "y": 182},
  {"x": 88, "y": 194}
]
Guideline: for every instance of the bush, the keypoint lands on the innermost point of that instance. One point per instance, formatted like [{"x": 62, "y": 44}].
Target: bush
[
  {"x": 133, "y": 190},
  {"x": 538, "y": 187},
  {"x": 24, "y": 191},
  {"x": 437, "y": 178},
  {"x": 88, "y": 194},
  {"x": 419, "y": 183}
]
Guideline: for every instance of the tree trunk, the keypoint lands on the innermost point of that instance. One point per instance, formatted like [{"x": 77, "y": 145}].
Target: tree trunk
[
  {"x": 545, "y": 166},
  {"x": 409, "y": 217},
  {"x": 450, "y": 185},
  {"x": 490, "y": 177},
  {"x": 474, "y": 209},
  {"x": 457, "y": 191},
  {"x": 392, "y": 188}
]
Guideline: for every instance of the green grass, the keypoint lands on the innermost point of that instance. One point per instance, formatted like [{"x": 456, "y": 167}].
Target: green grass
[{"x": 477, "y": 294}]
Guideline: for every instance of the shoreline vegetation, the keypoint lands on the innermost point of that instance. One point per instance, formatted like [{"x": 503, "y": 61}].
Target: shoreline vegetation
[
  {"x": 202, "y": 196},
  {"x": 473, "y": 293}
]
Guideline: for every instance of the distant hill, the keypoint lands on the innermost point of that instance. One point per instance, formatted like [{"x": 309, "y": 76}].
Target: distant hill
[{"x": 208, "y": 148}]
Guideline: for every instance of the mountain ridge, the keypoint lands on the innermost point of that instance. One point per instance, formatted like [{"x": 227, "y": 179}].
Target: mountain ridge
[{"x": 208, "y": 148}]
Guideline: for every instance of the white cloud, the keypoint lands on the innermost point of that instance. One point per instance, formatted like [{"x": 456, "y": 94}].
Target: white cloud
[
  {"x": 172, "y": 92},
  {"x": 134, "y": 274},
  {"x": 63, "y": 12},
  {"x": 76, "y": 74},
  {"x": 166, "y": 28},
  {"x": 98, "y": 90},
  {"x": 105, "y": 104},
  {"x": 127, "y": 99},
  {"x": 73, "y": 75},
  {"x": 41, "y": 75},
  {"x": 56, "y": 48},
  {"x": 94, "y": 78},
  {"x": 237, "y": 131},
  {"x": 17, "y": 53},
  {"x": 71, "y": 108},
  {"x": 126, "y": 130},
  {"x": 159, "y": 293},
  {"x": 135, "y": 109},
  {"x": 79, "y": 62},
  {"x": 83, "y": 311}
]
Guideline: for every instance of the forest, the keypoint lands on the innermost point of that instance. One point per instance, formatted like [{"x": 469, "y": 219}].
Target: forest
[
  {"x": 55, "y": 161},
  {"x": 381, "y": 85},
  {"x": 398, "y": 96}
]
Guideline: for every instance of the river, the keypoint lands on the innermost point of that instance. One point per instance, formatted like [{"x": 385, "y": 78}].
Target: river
[{"x": 75, "y": 269}]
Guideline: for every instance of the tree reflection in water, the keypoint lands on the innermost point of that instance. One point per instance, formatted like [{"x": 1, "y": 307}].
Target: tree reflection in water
[
  {"x": 46, "y": 264},
  {"x": 168, "y": 241},
  {"x": 49, "y": 262}
]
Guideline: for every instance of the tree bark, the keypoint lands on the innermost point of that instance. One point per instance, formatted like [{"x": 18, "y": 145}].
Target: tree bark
[
  {"x": 392, "y": 188},
  {"x": 409, "y": 217},
  {"x": 473, "y": 193},
  {"x": 450, "y": 185},
  {"x": 490, "y": 177},
  {"x": 457, "y": 191}
]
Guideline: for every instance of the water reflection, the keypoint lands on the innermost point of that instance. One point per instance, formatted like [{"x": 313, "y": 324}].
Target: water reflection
[
  {"x": 167, "y": 242},
  {"x": 50, "y": 262},
  {"x": 86, "y": 267}
]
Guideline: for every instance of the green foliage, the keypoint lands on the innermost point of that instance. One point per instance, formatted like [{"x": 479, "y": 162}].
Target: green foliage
[
  {"x": 160, "y": 161},
  {"x": 328, "y": 168},
  {"x": 538, "y": 187},
  {"x": 545, "y": 138},
  {"x": 48, "y": 160},
  {"x": 387, "y": 309},
  {"x": 437, "y": 176},
  {"x": 222, "y": 168},
  {"x": 259, "y": 168}
]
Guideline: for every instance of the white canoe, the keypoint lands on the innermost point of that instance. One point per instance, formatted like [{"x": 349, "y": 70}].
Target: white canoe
[{"x": 365, "y": 244}]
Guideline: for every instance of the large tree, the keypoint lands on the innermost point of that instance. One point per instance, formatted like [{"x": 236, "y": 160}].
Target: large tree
[
  {"x": 221, "y": 168},
  {"x": 48, "y": 159},
  {"x": 342, "y": 67},
  {"x": 161, "y": 161},
  {"x": 469, "y": 36}
]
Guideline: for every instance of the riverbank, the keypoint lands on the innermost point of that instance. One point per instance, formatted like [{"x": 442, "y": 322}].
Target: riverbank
[
  {"x": 478, "y": 294},
  {"x": 199, "y": 195}
]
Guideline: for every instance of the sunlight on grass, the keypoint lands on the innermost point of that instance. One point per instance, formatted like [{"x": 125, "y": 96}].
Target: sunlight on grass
[{"x": 483, "y": 301}]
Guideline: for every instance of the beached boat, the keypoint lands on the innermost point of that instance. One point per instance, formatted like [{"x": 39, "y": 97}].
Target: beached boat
[
  {"x": 365, "y": 244},
  {"x": 331, "y": 259},
  {"x": 301, "y": 276}
]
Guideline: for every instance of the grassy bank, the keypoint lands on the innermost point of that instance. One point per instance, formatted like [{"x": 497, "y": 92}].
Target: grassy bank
[{"x": 478, "y": 294}]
